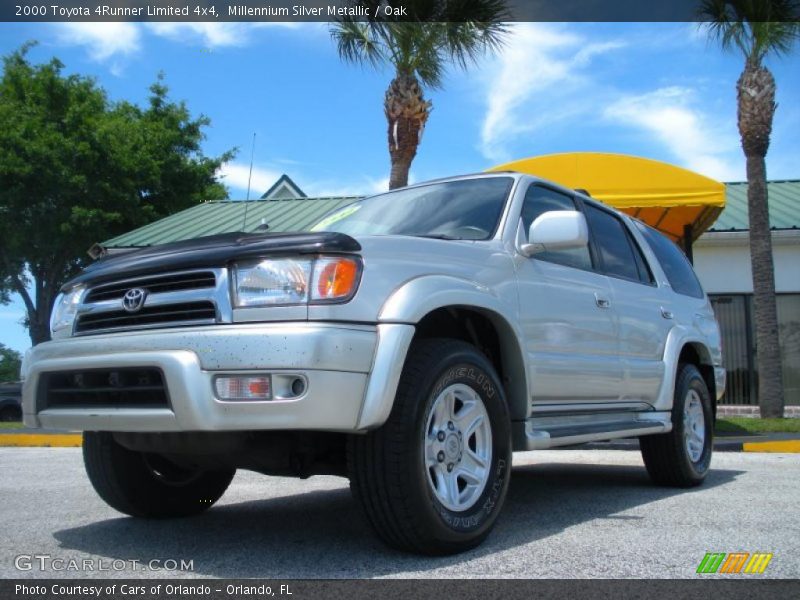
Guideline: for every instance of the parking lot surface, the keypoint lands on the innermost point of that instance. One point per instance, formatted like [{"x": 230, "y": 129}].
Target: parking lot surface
[{"x": 569, "y": 513}]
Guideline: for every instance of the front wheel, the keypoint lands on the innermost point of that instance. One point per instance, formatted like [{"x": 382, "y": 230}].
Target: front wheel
[
  {"x": 148, "y": 485},
  {"x": 682, "y": 457},
  {"x": 433, "y": 479}
]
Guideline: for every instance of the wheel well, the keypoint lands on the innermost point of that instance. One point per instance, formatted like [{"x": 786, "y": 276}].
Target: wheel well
[
  {"x": 698, "y": 355},
  {"x": 493, "y": 336}
]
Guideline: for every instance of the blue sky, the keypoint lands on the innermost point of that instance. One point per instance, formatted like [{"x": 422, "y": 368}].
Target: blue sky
[{"x": 651, "y": 89}]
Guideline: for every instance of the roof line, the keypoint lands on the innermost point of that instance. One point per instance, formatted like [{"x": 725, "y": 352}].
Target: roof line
[
  {"x": 275, "y": 200},
  {"x": 283, "y": 179},
  {"x": 768, "y": 181}
]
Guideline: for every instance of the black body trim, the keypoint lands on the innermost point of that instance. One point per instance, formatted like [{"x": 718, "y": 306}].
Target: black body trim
[{"x": 211, "y": 251}]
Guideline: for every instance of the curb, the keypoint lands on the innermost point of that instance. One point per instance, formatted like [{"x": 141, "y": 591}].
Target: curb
[
  {"x": 784, "y": 446},
  {"x": 791, "y": 446},
  {"x": 41, "y": 440},
  {"x": 75, "y": 440}
]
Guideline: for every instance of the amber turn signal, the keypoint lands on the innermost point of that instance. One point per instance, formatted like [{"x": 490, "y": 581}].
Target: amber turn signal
[{"x": 335, "y": 278}]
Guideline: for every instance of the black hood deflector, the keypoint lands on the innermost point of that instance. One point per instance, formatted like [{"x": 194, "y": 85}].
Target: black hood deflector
[{"x": 211, "y": 251}]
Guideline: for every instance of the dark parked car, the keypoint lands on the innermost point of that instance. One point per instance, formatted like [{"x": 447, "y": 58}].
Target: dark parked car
[{"x": 10, "y": 402}]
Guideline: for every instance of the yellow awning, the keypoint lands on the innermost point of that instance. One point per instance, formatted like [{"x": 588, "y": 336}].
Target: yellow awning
[{"x": 664, "y": 196}]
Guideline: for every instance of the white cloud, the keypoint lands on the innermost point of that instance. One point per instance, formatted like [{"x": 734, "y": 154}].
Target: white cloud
[
  {"x": 382, "y": 184},
  {"x": 113, "y": 42},
  {"x": 671, "y": 116},
  {"x": 208, "y": 34},
  {"x": 213, "y": 35},
  {"x": 541, "y": 62},
  {"x": 102, "y": 40},
  {"x": 236, "y": 175},
  {"x": 363, "y": 186}
]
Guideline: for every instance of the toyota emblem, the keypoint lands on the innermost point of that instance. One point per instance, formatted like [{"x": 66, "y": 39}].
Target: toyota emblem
[{"x": 133, "y": 300}]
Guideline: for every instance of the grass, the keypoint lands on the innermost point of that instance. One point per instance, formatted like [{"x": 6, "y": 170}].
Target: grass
[
  {"x": 10, "y": 425},
  {"x": 745, "y": 425}
]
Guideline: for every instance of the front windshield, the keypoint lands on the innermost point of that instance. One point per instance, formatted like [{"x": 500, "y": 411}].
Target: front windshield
[{"x": 466, "y": 209}]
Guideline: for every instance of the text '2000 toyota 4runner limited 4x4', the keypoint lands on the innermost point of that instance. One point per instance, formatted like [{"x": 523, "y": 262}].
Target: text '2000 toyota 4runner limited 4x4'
[{"x": 410, "y": 341}]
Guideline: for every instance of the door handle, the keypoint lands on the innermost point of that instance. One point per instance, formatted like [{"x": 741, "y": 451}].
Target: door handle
[
  {"x": 601, "y": 301},
  {"x": 667, "y": 314}
]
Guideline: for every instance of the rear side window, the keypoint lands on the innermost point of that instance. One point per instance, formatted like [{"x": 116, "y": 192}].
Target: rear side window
[
  {"x": 619, "y": 254},
  {"x": 539, "y": 200},
  {"x": 676, "y": 266}
]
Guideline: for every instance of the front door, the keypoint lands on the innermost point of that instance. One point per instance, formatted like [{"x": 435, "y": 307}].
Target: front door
[{"x": 566, "y": 318}]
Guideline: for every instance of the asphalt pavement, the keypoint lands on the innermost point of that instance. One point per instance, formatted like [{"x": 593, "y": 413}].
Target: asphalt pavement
[{"x": 569, "y": 513}]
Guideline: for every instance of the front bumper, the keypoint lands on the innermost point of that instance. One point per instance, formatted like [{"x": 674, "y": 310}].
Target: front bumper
[{"x": 351, "y": 373}]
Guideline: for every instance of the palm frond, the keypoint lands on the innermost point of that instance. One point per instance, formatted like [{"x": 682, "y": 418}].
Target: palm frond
[
  {"x": 755, "y": 27},
  {"x": 356, "y": 42},
  {"x": 434, "y": 33},
  {"x": 468, "y": 41}
]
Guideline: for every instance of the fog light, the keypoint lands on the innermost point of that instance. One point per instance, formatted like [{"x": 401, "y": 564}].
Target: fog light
[
  {"x": 298, "y": 387},
  {"x": 243, "y": 388}
]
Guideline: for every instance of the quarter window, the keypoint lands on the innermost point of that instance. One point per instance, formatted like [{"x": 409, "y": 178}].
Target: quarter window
[
  {"x": 676, "y": 266},
  {"x": 539, "y": 200}
]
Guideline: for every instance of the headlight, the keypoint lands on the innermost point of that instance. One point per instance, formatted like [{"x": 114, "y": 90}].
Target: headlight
[
  {"x": 275, "y": 282},
  {"x": 64, "y": 311}
]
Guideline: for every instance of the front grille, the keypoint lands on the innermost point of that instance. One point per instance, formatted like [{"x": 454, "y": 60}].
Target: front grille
[
  {"x": 103, "y": 388},
  {"x": 183, "y": 298},
  {"x": 154, "y": 285},
  {"x": 164, "y": 315}
]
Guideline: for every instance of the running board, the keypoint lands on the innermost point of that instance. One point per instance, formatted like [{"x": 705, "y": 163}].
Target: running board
[{"x": 529, "y": 436}]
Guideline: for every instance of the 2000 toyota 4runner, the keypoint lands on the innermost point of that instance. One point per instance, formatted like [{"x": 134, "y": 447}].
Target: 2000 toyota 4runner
[{"x": 411, "y": 341}]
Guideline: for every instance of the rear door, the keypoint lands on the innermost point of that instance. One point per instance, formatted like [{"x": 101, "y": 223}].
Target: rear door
[
  {"x": 566, "y": 317},
  {"x": 643, "y": 317}
]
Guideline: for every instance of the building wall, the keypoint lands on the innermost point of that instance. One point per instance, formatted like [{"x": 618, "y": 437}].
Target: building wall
[{"x": 722, "y": 262}]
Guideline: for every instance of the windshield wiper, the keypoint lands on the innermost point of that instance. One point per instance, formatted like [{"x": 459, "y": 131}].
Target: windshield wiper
[{"x": 434, "y": 236}]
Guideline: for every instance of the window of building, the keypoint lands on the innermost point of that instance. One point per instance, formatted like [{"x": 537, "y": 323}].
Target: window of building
[
  {"x": 736, "y": 320},
  {"x": 789, "y": 338},
  {"x": 539, "y": 200}
]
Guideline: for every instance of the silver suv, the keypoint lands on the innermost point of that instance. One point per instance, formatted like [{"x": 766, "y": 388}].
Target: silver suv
[{"x": 411, "y": 341}]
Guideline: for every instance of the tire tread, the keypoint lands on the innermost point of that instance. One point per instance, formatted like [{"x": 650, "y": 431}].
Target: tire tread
[
  {"x": 662, "y": 452},
  {"x": 377, "y": 461},
  {"x": 121, "y": 479}
]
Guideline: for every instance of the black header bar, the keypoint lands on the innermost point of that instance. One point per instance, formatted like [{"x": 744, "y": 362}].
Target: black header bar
[{"x": 331, "y": 10}]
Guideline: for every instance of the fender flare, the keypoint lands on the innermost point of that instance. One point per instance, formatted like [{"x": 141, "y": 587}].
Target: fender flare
[
  {"x": 679, "y": 336},
  {"x": 408, "y": 305}
]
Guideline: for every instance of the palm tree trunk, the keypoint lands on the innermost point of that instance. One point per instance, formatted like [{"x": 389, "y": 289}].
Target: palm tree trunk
[
  {"x": 756, "y": 107},
  {"x": 768, "y": 353},
  {"x": 406, "y": 113},
  {"x": 403, "y": 138},
  {"x": 401, "y": 165}
]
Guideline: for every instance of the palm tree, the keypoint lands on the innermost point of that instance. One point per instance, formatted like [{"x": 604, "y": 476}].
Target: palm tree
[
  {"x": 418, "y": 50},
  {"x": 758, "y": 28}
]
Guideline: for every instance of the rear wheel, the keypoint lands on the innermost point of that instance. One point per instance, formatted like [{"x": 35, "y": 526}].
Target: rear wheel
[
  {"x": 682, "y": 457},
  {"x": 433, "y": 478},
  {"x": 148, "y": 485}
]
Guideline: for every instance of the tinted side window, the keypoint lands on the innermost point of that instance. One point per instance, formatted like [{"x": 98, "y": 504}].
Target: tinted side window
[
  {"x": 618, "y": 252},
  {"x": 676, "y": 266},
  {"x": 539, "y": 200}
]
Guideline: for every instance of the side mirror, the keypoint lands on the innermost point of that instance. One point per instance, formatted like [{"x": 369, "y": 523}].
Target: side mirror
[{"x": 556, "y": 230}]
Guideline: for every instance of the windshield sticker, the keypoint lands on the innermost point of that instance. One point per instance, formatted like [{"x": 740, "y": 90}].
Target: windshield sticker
[{"x": 335, "y": 217}]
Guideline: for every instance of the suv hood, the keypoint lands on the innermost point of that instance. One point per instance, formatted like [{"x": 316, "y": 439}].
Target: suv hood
[{"x": 211, "y": 251}]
